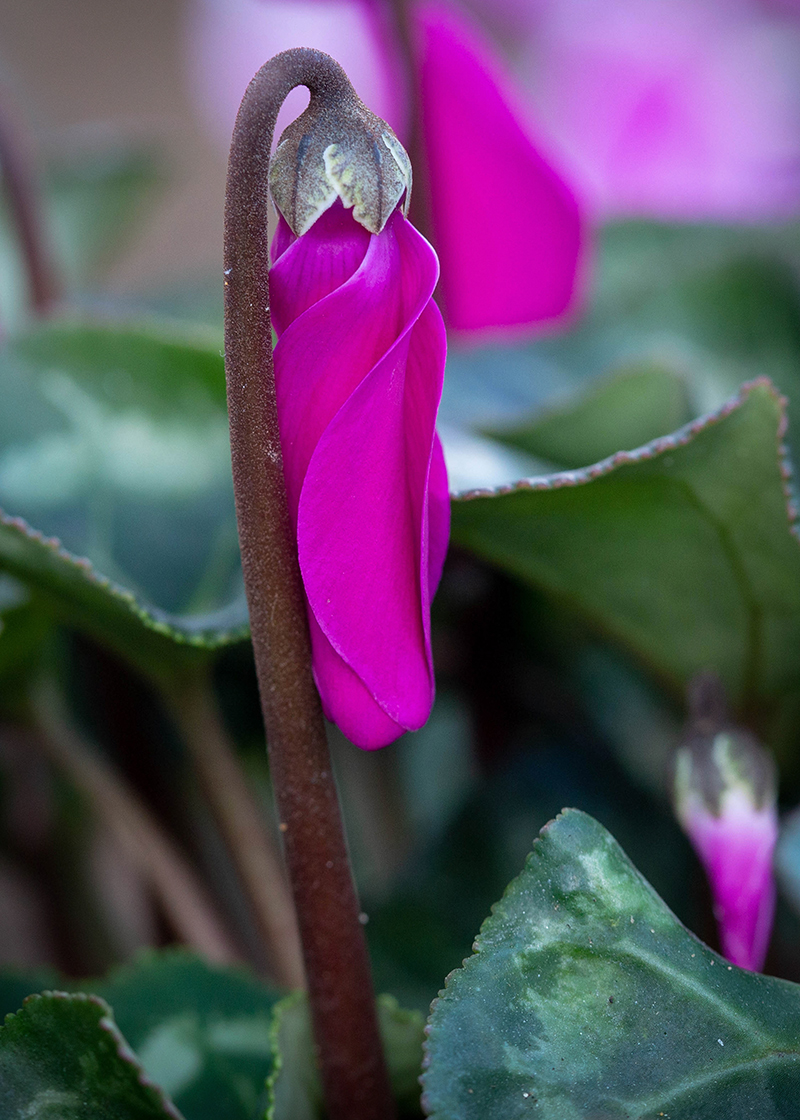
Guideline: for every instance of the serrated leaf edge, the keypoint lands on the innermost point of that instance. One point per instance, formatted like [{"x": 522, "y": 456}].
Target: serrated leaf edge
[
  {"x": 195, "y": 631},
  {"x": 106, "y": 1023},
  {"x": 660, "y": 446}
]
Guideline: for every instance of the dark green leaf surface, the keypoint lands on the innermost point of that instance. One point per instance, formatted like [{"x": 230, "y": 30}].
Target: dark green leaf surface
[
  {"x": 625, "y": 411},
  {"x": 295, "y": 1091},
  {"x": 115, "y": 486},
  {"x": 202, "y": 1033},
  {"x": 62, "y": 1058},
  {"x": 682, "y": 550},
  {"x": 587, "y": 1000}
]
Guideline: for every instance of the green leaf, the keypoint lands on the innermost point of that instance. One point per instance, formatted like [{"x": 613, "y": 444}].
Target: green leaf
[
  {"x": 202, "y": 1033},
  {"x": 629, "y": 409},
  {"x": 62, "y": 1058},
  {"x": 295, "y": 1090},
  {"x": 682, "y": 550},
  {"x": 587, "y": 999},
  {"x": 114, "y": 445}
]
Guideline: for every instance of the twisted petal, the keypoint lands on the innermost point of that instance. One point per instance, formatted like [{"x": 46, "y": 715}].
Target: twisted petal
[
  {"x": 506, "y": 226},
  {"x": 359, "y": 368},
  {"x": 679, "y": 109}
]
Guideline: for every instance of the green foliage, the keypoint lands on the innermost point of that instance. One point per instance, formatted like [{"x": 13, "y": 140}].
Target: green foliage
[
  {"x": 62, "y": 1058},
  {"x": 94, "y": 192},
  {"x": 627, "y": 410},
  {"x": 200, "y": 1032},
  {"x": 114, "y": 447},
  {"x": 587, "y": 999},
  {"x": 682, "y": 551},
  {"x": 295, "y": 1091}
]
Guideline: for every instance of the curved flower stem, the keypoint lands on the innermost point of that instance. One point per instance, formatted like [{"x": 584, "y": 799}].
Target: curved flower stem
[
  {"x": 254, "y": 855},
  {"x": 352, "y": 1065},
  {"x": 22, "y": 193},
  {"x": 181, "y": 895}
]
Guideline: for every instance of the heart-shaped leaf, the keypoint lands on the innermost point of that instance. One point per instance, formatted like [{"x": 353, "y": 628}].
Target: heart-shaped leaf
[
  {"x": 682, "y": 549},
  {"x": 587, "y": 1000},
  {"x": 115, "y": 486},
  {"x": 61, "y": 1056}
]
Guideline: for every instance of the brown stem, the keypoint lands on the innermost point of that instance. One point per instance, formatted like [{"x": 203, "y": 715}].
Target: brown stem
[
  {"x": 252, "y": 850},
  {"x": 180, "y": 894},
  {"x": 22, "y": 194},
  {"x": 341, "y": 995}
]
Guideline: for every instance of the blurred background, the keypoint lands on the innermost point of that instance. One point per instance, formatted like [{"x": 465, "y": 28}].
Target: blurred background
[{"x": 654, "y": 148}]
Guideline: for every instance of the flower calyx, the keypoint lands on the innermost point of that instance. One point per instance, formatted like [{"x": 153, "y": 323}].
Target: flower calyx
[
  {"x": 337, "y": 148},
  {"x": 717, "y": 759}
]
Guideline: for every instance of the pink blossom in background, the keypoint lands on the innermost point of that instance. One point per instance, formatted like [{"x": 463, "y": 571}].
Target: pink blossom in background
[
  {"x": 725, "y": 797},
  {"x": 683, "y": 109},
  {"x": 736, "y": 848},
  {"x": 506, "y": 226},
  {"x": 517, "y": 266},
  {"x": 359, "y": 365}
]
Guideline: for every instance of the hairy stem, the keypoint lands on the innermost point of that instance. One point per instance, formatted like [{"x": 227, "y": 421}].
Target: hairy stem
[
  {"x": 352, "y": 1065},
  {"x": 181, "y": 895},
  {"x": 24, "y": 203},
  {"x": 251, "y": 847}
]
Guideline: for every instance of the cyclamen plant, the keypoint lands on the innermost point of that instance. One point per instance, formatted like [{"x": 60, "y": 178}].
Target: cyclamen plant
[
  {"x": 584, "y": 997},
  {"x": 349, "y": 384}
]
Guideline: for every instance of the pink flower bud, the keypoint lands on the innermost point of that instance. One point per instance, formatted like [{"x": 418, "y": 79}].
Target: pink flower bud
[
  {"x": 359, "y": 364},
  {"x": 725, "y": 799}
]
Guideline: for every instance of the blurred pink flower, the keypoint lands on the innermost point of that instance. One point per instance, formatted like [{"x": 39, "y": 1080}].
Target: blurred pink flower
[
  {"x": 359, "y": 365},
  {"x": 736, "y": 846},
  {"x": 684, "y": 109},
  {"x": 725, "y": 798},
  {"x": 506, "y": 226},
  {"x": 518, "y": 267}
]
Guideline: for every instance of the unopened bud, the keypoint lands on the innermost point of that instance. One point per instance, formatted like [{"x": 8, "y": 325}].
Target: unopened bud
[
  {"x": 725, "y": 798},
  {"x": 339, "y": 150}
]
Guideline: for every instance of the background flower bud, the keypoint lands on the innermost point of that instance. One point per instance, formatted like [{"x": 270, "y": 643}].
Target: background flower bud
[{"x": 725, "y": 798}]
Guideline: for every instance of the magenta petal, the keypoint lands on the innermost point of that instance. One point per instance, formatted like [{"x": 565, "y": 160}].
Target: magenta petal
[
  {"x": 346, "y": 701},
  {"x": 736, "y": 849},
  {"x": 438, "y": 516},
  {"x": 323, "y": 354},
  {"x": 359, "y": 366},
  {"x": 507, "y": 228},
  {"x": 362, "y": 534},
  {"x": 315, "y": 274}
]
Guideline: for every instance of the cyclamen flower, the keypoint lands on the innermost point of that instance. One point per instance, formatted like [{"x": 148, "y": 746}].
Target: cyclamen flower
[
  {"x": 725, "y": 798},
  {"x": 679, "y": 109},
  {"x": 359, "y": 364},
  {"x": 506, "y": 268}
]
